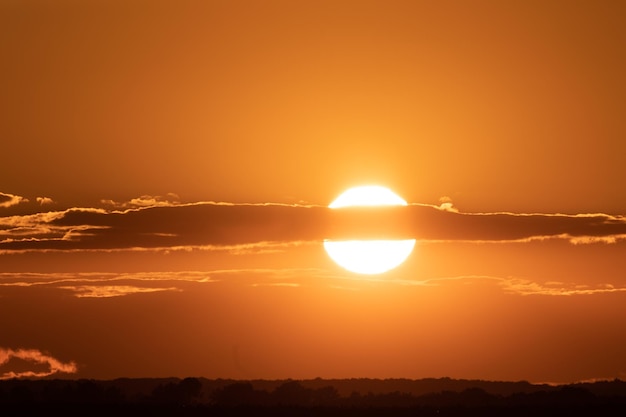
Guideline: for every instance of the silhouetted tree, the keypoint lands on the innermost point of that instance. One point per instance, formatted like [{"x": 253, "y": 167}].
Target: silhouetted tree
[
  {"x": 475, "y": 397},
  {"x": 292, "y": 393},
  {"x": 239, "y": 393},
  {"x": 191, "y": 388},
  {"x": 21, "y": 393},
  {"x": 325, "y": 396},
  {"x": 186, "y": 391},
  {"x": 114, "y": 395},
  {"x": 89, "y": 392},
  {"x": 572, "y": 395}
]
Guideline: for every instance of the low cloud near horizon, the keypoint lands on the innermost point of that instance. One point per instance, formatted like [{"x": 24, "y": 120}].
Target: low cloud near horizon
[{"x": 31, "y": 363}]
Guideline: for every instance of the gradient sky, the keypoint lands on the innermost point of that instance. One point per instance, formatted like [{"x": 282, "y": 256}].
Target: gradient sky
[{"x": 166, "y": 168}]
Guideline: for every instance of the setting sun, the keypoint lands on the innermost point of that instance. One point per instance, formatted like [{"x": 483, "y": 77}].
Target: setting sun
[
  {"x": 368, "y": 256},
  {"x": 368, "y": 195}
]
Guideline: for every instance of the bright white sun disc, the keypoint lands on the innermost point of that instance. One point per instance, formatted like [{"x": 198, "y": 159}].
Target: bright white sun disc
[
  {"x": 368, "y": 195},
  {"x": 368, "y": 256}
]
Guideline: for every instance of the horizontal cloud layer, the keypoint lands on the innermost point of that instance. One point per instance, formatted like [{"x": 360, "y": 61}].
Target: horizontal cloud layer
[
  {"x": 222, "y": 224},
  {"x": 108, "y": 285}
]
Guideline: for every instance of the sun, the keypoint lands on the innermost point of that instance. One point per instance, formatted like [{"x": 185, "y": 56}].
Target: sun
[
  {"x": 368, "y": 256},
  {"x": 368, "y": 195}
]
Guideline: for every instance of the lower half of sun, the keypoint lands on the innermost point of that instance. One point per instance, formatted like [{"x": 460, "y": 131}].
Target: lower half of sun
[{"x": 368, "y": 256}]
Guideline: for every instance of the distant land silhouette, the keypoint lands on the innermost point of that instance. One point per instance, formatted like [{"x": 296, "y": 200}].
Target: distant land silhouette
[{"x": 313, "y": 397}]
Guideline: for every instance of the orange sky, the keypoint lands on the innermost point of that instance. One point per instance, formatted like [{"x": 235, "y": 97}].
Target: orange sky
[{"x": 501, "y": 123}]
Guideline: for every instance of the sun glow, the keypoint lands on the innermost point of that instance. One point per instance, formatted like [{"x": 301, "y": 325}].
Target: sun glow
[
  {"x": 368, "y": 195},
  {"x": 368, "y": 256}
]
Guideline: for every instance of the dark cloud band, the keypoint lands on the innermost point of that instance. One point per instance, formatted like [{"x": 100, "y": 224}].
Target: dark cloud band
[{"x": 230, "y": 224}]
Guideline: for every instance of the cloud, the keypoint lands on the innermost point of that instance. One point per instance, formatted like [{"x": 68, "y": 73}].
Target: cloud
[
  {"x": 586, "y": 240},
  {"x": 8, "y": 200},
  {"x": 44, "y": 200},
  {"x": 446, "y": 204},
  {"x": 516, "y": 227},
  {"x": 277, "y": 284},
  {"x": 161, "y": 226},
  {"x": 106, "y": 284},
  {"x": 41, "y": 364},
  {"x": 38, "y": 227},
  {"x": 527, "y": 287},
  {"x": 170, "y": 199},
  {"x": 108, "y": 291},
  {"x": 164, "y": 225},
  {"x": 110, "y": 284}
]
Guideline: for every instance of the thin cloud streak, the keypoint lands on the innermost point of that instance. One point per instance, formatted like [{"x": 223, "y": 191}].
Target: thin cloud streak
[
  {"x": 574, "y": 240},
  {"x": 242, "y": 249},
  {"x": 36, "y": 357},
  {"x": 170, "y": 199},
  {"x": 526, "y": 287},
  {"x": 277, "y": 284},
  {"x": 108, "y": 291},
  {"x": 107, "y": 285}
]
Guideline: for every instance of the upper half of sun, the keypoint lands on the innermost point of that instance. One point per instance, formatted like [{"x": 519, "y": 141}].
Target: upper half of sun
[{"x": 368, "y": 195}]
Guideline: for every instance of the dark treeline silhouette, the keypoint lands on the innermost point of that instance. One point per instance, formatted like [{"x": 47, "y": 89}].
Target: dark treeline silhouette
[{"x": 203, "y": 397}]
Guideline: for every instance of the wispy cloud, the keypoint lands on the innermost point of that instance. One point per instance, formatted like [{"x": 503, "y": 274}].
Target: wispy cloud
[
  {"x": 524, "y": 286},
  {"x": 8, "y": 200},
  {"x": 108, "y": 291},
  {"x": 109, "y": 284},
  {"x": 587, "y": 240},
  {"x": 170, "y": 199},
  {"x": 36, "y": 359},
  {"x": 446, "y": 204},
  {"x": 44, "y": 200},
  {"x": 106, "y": 284},
  {"x": 277, "y": 284},
  {"x": 528, "y": 287},
  {"x": 242, "y": 249}
]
